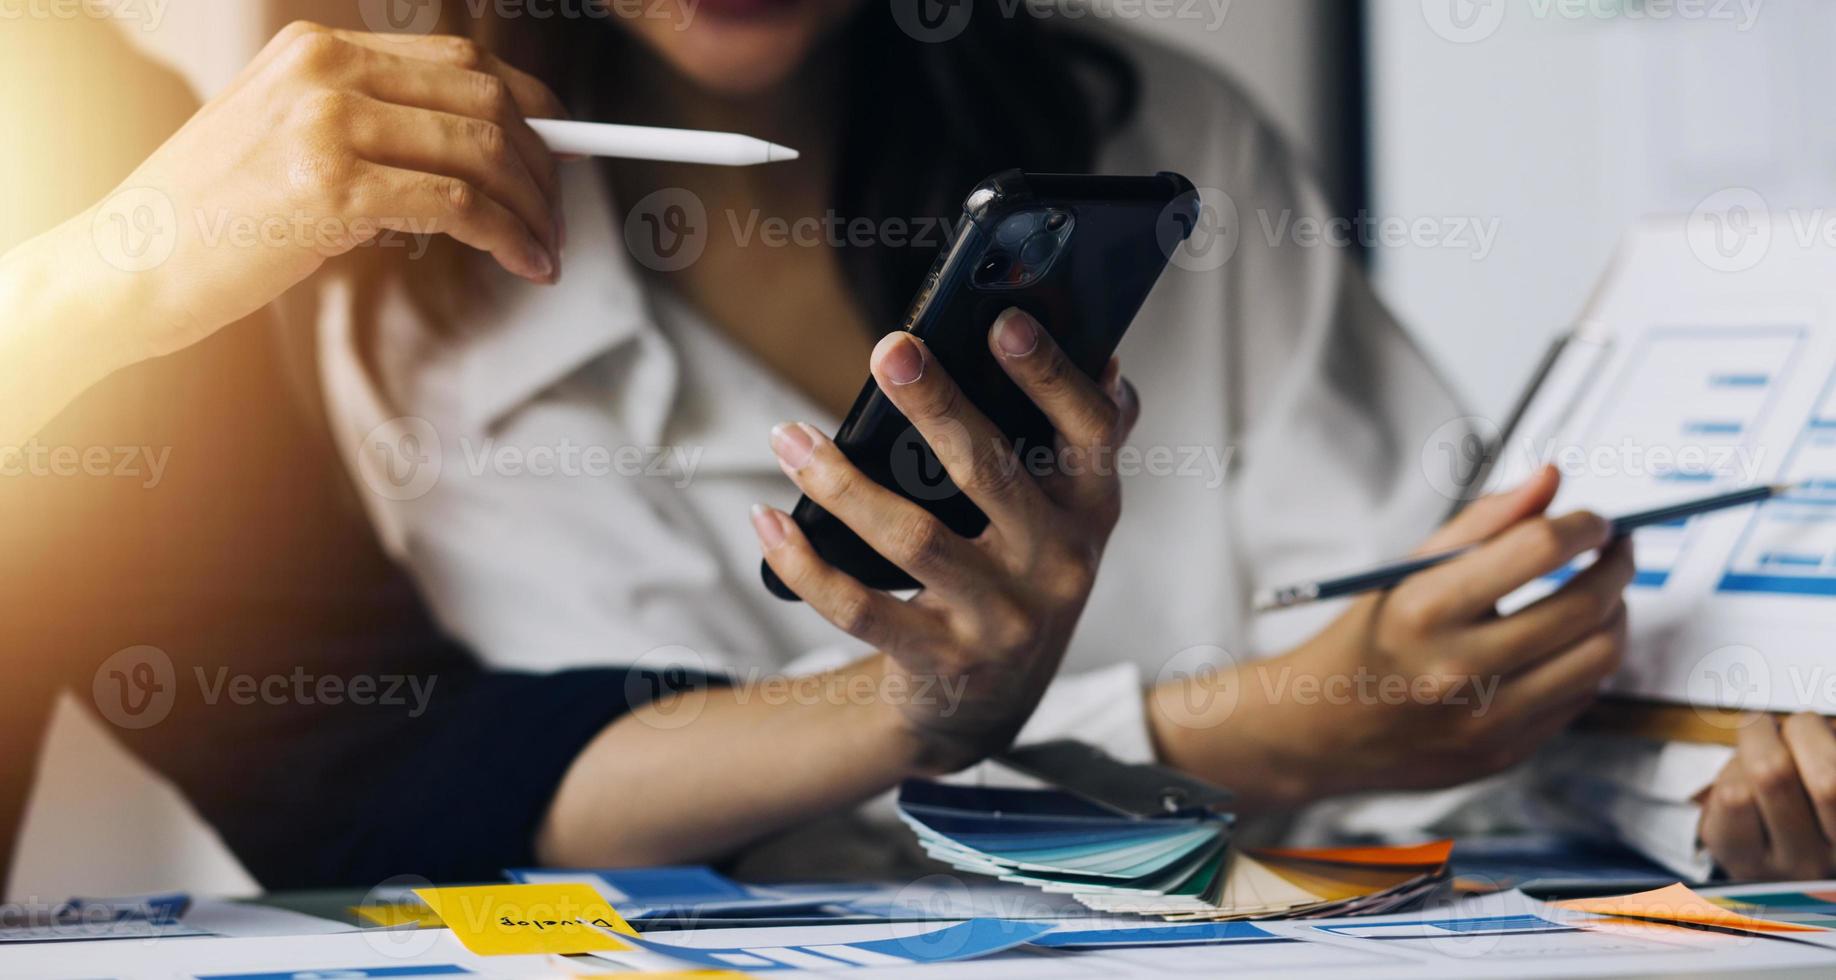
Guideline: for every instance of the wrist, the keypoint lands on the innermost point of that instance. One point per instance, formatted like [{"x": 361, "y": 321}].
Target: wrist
[
  {"x": 932, "y": 739},
  {"x": 65, "y": 301},
  {"x": 885, "y": 725},
  {"x": 53, "y": 345},
  {"x": 1242, "y": 728}
]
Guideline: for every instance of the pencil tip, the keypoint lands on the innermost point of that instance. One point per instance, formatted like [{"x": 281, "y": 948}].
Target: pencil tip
[{"x": 779, "y": 154}]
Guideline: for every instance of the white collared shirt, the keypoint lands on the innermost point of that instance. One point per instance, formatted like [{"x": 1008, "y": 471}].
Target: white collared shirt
[{"x": 1285, "y": 434}]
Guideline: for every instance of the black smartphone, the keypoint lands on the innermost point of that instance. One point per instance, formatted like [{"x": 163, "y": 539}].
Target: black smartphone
[{"x": 1077, "y": 252}]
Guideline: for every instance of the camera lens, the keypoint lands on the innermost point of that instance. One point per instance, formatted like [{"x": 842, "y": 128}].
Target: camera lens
[
  {"x": 993, "y": 267},
  {"x": 1056, "y": 220},
  {"x": 1015, "y": 229},
  {"x": 1038, "y": 250}
]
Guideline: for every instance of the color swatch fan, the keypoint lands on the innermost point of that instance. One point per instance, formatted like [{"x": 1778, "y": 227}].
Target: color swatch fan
[{"x": 1179, "y": 866}]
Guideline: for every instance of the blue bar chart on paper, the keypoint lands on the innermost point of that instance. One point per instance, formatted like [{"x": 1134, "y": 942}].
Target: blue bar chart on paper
[
  {"x": 1677, "y": 423},
  {"x": 1789, "y": 545}
]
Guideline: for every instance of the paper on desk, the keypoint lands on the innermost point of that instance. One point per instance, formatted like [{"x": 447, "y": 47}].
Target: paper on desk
[
  {"x": 89, "y": 919},
  {"x": 690, "y": 891},
  {"x": 1674, "y": 772},
  {"x": 353, "y": 954},
  {"x": 249, "y": 919},
  {"x": 963, "y": 941},
  {"x": 507, "y": 919},
  {"x": 1677, "y": 903},
  {"x": 1663, "y": 831},
  {"x": 1805, "y": 903}
]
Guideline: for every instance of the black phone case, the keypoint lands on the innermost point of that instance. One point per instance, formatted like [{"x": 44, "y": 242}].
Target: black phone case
[{"x": 1124, "y": 231}]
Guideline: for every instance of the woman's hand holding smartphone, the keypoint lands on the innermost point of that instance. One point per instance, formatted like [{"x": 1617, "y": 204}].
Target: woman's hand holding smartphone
[{"x": 996, "y": 612}]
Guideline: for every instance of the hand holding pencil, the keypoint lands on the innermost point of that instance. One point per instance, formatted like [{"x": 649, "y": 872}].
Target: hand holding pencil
[
  {"x": 1390, "y": 575},
  {"x": 1423, "y": 685}
]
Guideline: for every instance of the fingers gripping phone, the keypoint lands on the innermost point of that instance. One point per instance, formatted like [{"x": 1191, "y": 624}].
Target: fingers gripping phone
[{"x": 1080, "y": 254}]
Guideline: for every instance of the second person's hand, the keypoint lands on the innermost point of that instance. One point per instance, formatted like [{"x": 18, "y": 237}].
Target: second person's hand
[
  {"x": 1771, "y": 813},
  {"x": 326, "y": 141}
]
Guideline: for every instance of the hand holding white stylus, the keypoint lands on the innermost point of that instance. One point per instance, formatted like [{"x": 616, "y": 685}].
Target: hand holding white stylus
[{"x": 327, "y": 141}]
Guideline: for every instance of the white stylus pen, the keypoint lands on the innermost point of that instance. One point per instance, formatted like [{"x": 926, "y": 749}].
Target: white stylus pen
[{"x": 652, "y": 143}]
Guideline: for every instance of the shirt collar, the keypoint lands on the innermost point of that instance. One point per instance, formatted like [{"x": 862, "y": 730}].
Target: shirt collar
[{"x": 541, "y": 335}]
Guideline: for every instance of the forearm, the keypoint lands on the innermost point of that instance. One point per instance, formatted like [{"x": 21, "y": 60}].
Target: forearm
[
  {"x": 1242, "y": 728},
  {"x": 65, "y": 320},
  {"x": 701, "y": 774}
]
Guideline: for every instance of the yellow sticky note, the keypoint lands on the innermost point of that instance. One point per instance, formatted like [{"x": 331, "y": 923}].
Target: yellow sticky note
[
  {"x": 511, "y": 920},
  {"x": 397, "y": 915}
]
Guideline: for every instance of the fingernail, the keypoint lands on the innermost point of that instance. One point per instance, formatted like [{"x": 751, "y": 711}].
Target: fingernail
[
  {"x": 765, "y": 525},
  {"x": 1015, "y": 334},
  {"x": 792, "y": 444},
  {"x": 542, "y": 262},
  {"x": 904, "y": 363},
  {"x": 1118, "y": 388}
]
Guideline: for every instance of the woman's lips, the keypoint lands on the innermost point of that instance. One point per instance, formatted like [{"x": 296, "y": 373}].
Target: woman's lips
[{"x": 744, "y": 9}]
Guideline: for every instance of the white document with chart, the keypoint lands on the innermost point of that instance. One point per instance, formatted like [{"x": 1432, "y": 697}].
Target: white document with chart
[{"x": 1707, "y": 363}]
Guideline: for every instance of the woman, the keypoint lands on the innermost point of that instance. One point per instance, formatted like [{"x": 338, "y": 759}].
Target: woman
[
  {"x": 1275, "y": 370},
  {"x": 1278, "y": 356}
]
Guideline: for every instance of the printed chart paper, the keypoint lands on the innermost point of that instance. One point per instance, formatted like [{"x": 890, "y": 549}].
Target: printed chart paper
[{"x": 1683, "y": 381}]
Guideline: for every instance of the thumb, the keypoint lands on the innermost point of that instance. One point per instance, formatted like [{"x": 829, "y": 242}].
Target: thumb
[{"x": 1491, "y": 514}]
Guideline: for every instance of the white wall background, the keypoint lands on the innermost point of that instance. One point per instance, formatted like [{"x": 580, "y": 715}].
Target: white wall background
[
  {"x": 1563, "y": 129},
  {"x": 101, "y": 823}
]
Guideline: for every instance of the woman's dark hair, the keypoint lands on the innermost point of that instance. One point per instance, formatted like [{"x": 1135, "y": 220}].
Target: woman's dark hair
[
  {"x": 923, "y": 121},
  {"x": 929, "y": 120}
]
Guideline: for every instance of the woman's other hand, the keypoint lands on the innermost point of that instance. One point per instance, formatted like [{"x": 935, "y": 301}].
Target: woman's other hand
[
  {"x": 1771, "y": 814},
  {"x": 996, "y": 612},
  {"x": 1423, "y": 685}
]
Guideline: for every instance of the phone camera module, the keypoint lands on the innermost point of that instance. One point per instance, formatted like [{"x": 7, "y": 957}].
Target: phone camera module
[{"x": 1025, "y": 247}]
